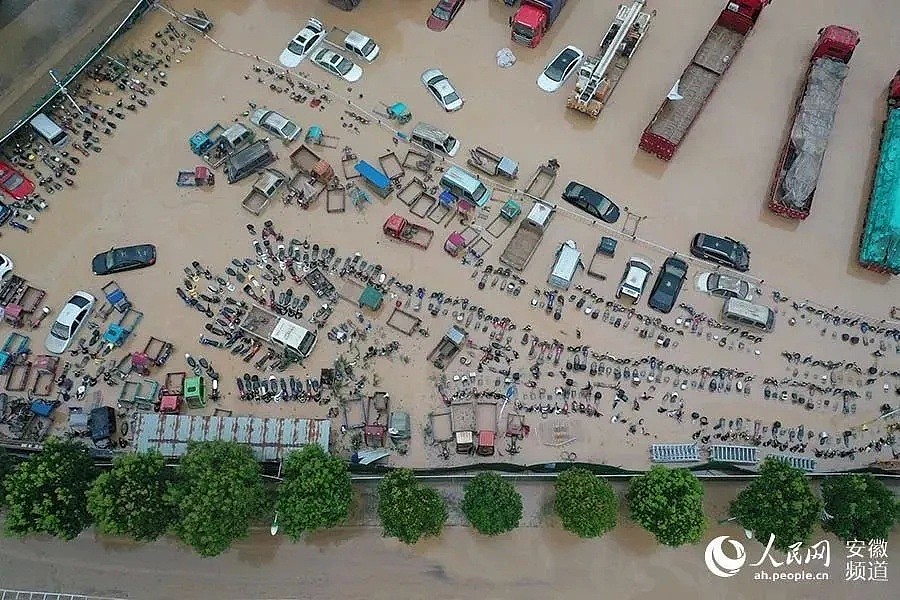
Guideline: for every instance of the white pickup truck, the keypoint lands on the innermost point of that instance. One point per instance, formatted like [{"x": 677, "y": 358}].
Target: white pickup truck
[{"x": 634, "y": 279}]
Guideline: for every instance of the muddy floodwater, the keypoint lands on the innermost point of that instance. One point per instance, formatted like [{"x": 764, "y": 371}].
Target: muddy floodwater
[
  {"x": 356, "y": 563},
  {"x": 717, "y": 182}
]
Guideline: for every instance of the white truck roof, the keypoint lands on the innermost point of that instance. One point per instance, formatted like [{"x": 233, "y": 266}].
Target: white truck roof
[{"x": 289, "y": 334}]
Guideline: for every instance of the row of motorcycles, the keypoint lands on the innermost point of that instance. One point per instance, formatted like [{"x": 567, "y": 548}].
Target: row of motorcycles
[{"x": 253, "y": 388}]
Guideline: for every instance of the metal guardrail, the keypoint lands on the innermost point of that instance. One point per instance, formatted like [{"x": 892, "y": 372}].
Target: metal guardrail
[
  {"x": 140, "y": 7},
  {"x": 26, "y": 595}
]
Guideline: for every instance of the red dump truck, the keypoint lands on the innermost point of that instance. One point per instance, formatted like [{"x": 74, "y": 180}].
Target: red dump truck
[
  {"x": 533, "y": 20},
  {"x": 691, "y": 91},
  {"x": 400, "y": 229},
  {"x": 797, "y": 171},
  {"x": 879, "y": 244}
]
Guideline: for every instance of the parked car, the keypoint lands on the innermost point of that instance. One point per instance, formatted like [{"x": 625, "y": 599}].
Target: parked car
[
  {"x": 722, "y": 250},
  {"x": 591, "y": 201},
  {"x": 442, "y": 90},
  {"x": 723, "y": 285},
  {"x": 559, "y": 69},
  {"x": 69, "y": 320},
  {"x": 302, "y": 44},
  {"x": 442, "y": 14},
  {"x": 634, "y": 279},
  {"x": 127, "y": 258},
  {"x": 275, "y": 123},
  {"x": 6, "y": 213},
  {"x": 362, "y": 45},
  {"x": 13, "y": 183},
  {"x": 668, "y": 285},
  {"x": 336, "y": 64},
  {"x": 6, "y": 266}
]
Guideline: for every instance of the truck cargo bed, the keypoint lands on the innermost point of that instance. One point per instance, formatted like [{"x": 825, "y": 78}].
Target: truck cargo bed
[
  {"x": 675, "y": 116},
  {"x": 521, "y": 247},
  {"x": 719, "y": 47}
]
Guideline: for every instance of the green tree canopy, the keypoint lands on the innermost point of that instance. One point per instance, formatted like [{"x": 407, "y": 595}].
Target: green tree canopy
[
  {"x": 408, "y": 510},
  {"x": 6, "y": 467},
  {"x": 491, "y": 504},
  {"x": 131, "y": 498},
  {"x": 217, "y": 491},
  {"x": 316, "y": 491},
  {"x": 861, "y": 507},
  {"x": 586, "y": 505},
  {"x": 669, "y": 504},
  {"x": 780, "y": 502},
  {"x": 48, "y": 493}
]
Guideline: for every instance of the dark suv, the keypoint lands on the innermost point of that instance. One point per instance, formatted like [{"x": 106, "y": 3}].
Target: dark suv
[
  {"x": 591, "y": 201},
  {"x": 722, "y": 250},
  {"x": 668, "y": 285}
]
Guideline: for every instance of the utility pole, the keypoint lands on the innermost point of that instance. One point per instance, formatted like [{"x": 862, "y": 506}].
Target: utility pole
[{"x": 65, "y": 92}]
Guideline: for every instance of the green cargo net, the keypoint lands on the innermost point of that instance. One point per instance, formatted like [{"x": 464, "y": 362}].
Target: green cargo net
[{"x": 879, "y": 245}]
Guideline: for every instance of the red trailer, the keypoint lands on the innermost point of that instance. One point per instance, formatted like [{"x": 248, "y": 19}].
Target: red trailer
[
  {"x": 691, "y": 91},
  {"x": 402, "y": 230},
  {"x": 797, "y": 171}
]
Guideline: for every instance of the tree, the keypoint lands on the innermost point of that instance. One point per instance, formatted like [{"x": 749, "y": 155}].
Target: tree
[
  {"x": 669, "y": 504},
  {"x": 586, "y": 504},
  {"x": 7, "y": 465},
  {"x": 779, "y": 502},
  {"x": 491, "y": 504},
  {"x": 217, "y": 491},
  {"x": 48, "y": 493},
  {"x": 131, "y": 498},
  {"x": 408, "y": 510},
  {"x": 316, "y": 491},
  {"x": 861, "y": 507}
]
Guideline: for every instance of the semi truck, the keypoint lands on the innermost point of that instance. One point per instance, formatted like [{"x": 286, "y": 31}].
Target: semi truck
[
  {"x": 533, "y": 19},
  {"x": 797, "y": 171},
  {"x": 879, "y": 244},
  {"x": 599, "y": 74},
  {"x": 691, "y": 91},
  {"x": 525, "y": 240},
  {"x": 282, "y": 334}
]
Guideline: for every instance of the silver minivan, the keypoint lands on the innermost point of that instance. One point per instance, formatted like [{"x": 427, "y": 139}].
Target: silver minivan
[
  {"x": 435, "y": 139},
  {"x": 749, "y": 314},
  {"x": 45, "y": 127},
  {"x": 568, "y": 259},
  {"x": 462, "y": 184}
]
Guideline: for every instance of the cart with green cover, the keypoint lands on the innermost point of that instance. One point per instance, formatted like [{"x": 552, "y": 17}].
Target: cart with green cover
[
  {"x": 398, "y": 111},
  {"x": 195, "y": 392},
  {"x": 15, "y": 345},
  {"x": 504, "y": 219}
]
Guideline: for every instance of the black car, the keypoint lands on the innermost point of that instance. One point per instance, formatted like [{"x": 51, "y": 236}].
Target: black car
[
  {"x": 128, "y": 258},
  {"x": 668, "y": 285},
  {"x": 6, "y": 213},
  {"x": 591, "y": 201},
  {"x": 722, "y": 250}
]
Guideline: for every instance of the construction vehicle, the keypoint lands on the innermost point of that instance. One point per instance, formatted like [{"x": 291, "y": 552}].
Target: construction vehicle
[
  {"x": 798, "y": 169},
  {"x": 525, "y": 240},
  {"x": 879, "y": 244},
  {"x": 278, "y": 332},
  {"x": 599, "y": 74},
  {"x": 691, "y": 91},
  {"x": 533, "y": 20},
  {"x": 402, "y": 230}
]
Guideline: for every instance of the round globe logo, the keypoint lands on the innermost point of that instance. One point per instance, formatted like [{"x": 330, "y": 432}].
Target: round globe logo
[{"x": 718, "y": 563}]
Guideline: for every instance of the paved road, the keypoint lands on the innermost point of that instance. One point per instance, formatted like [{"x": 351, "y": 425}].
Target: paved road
[{"x": 39, "y": 35}]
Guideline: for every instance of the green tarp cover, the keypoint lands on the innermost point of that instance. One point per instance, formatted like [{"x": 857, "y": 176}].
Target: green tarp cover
[
  {"x": 371, "y": 298},
  {"x": 880, "y": 243}
]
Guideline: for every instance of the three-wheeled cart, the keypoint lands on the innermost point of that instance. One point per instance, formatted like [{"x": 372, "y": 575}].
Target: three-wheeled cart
[
  {"x": 116, "y": 297},
  {"x": 15, "y": 345},
  {"x": 195, "y": 392},
  {"x": 45, "y": 366},
  {"x": 315, "y": 135},
  {"x": 509, "y": 212},
  {"x": 172, "y": 394},
  {"x": 398, "y": 111},
  {"x": 391, "y": 166},
  {"x": 542, "y": 180},
  {"x": 493, "y": 164},
  {"x": 117, "y": 333},
  {"x": 158, "y": 350},
  {"x": 199, "y": 176},
  {"x": 377, "y": 181}
]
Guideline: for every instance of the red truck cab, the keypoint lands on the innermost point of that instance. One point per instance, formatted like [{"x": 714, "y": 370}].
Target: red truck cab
[
  {"x": 836, "y": 42},
  {"x": 894, "y": 91},
  {"x": 533, "y": 19}
]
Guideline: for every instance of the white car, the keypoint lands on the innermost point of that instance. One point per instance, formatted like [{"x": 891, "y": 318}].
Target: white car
[
  {"x": 723, "y": 285},
  {"x": 362, "y": 45},
  {"x": 634, "y": 279},
  {"x": 442, "y": 90},
  {"x": 275, "y": 123},
  {"x": 6, "y": 266},
  {"x": 560, "y": 68},
  {"x": 70, "y": 319},
  {"x": 336, "y": 64},
  {"x": 302, "y": 44}
]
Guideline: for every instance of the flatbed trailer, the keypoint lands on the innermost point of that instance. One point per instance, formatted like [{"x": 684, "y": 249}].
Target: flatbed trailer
[
  {"x": 798, "y": 169},
  {"x": 879, "y": 243},
  {"x": 528, "y": 236},
  {"x": 688, "y": 96},
  {"x": 542, "y": 181},
  {"x": 599, "y": 74},
  {"x": 403, "y": 321}
]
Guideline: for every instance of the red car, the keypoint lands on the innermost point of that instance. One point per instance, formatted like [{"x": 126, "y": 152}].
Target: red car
[
  {"x": 13, "y": 183},
  {"x": 443, "y": 13}
]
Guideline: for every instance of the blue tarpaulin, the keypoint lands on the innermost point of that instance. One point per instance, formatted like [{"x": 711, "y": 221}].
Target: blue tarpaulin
[{"x": 374, "y": 177}]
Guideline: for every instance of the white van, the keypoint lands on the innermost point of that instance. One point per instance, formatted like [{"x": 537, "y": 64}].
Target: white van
[
  {"x": 462, "y": 184},
  {"x": 568, "y": 259},
  {"x": 293, "y": 338},
  {"x": 50, "y": 131},
  {"x": 749, "y": 314},
  {"x": 435, "y": 139}
]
